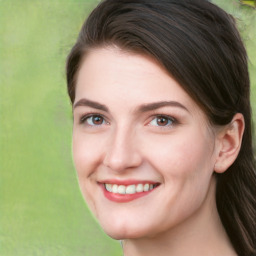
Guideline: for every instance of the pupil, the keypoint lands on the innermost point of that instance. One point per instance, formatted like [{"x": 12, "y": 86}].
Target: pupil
[
  {"x": 97, "y": 120},
  {"x": 162, "y": 121}
]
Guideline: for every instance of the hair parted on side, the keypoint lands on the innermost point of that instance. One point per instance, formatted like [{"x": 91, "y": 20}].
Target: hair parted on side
[{"x": 199, "y": 45}]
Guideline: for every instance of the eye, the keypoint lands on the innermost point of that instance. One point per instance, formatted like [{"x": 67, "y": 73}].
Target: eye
[
  {"x": 93, "y": 120},
  {"x": 162, "y": 121}
]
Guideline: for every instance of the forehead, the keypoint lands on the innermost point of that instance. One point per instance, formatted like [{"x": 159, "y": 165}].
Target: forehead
[
  {"x": 110, "y": 75},
  {"x": 112, "y": 61}
]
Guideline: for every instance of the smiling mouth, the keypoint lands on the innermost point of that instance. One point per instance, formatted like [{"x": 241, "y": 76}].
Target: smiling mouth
[{"x": 129, "y": 189}]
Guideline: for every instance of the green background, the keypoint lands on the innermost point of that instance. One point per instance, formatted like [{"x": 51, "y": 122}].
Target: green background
[{"x": 42, "y": 211}]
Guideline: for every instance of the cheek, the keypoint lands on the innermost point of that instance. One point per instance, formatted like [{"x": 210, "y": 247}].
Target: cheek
[
  {"x": 181, "y": 157},
  {"x": 86, "y": 153},
  {"x": 86, "y": 156},
  {"x": 80, "y": 155},
  {"x": 186, "y": 168}
]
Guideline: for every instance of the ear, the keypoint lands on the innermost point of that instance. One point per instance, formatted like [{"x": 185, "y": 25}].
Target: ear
[{"x": 229, "y": 141}]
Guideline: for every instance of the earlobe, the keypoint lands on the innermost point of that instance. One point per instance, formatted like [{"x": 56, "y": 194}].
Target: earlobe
[{"x": 229, "y": 143}]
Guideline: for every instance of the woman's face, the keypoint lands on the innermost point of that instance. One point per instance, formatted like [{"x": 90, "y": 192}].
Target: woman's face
[{"x": 142, "y": 148}]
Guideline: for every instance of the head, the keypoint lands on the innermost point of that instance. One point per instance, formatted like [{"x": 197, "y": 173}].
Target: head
[{"x": 191, "y": 42}]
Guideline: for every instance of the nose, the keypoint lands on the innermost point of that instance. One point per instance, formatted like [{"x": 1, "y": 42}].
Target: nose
[{"x": 122, "y": 152}]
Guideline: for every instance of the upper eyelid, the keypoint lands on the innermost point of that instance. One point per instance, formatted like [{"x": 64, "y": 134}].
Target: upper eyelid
[
  {"x": 83, "y": 117},
  {"x": 89, "y": 113},
  {"x": 153, "y": 116},
  {"x": 81, "y": 111}
]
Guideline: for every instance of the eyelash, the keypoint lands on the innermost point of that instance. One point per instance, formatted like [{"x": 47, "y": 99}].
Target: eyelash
[
  {"x": 171, "y": 121},
  {"x": 84, "y": 119}
]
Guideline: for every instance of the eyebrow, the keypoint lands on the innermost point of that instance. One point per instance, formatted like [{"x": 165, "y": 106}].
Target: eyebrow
[
  {"x": 85, "y": 102},
  {"x": 143, "y": 108},
  {"x": 161, "y": 104}
]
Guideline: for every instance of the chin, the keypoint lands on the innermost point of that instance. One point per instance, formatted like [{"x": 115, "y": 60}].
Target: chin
[
  {"x": 122, "y": 235},
  {"x": 121, "y": 232}
]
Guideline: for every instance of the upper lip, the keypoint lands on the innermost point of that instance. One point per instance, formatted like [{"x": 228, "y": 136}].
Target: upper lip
[{"x": 127, "y": 182}]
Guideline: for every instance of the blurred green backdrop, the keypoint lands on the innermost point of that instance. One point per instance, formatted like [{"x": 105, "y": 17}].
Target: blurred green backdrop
[{"x": 41, "y": 209}]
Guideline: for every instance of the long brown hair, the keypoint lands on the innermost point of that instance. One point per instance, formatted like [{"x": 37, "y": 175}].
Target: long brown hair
[{"x": 199, "y": 45}]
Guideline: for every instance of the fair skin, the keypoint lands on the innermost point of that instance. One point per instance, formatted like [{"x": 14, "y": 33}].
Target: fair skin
[{"x": 134, "y": 126}]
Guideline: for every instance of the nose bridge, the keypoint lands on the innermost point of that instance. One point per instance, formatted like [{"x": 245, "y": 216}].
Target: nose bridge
[{"x": 122, "y": 151}]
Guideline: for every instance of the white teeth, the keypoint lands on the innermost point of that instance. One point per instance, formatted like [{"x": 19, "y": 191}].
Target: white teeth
[
  {"x": 139, "y": 188},
  {"x": 146, "y": 187},
  {"x": 108, "y": 187},
  {"x": 121, "y": 189},
  {"x": 115, "y": 188},
  {"x": 130, "y": 189}
]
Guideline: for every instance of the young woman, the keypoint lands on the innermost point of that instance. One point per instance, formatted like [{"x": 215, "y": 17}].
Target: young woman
[{"x": 162, "y": 138}]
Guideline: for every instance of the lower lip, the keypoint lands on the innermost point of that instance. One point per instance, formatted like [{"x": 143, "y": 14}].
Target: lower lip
[{"x": 123, "y": 198}]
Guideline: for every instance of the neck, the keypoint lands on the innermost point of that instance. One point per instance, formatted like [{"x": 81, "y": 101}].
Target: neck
[{"x": 200, "y": 234}]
